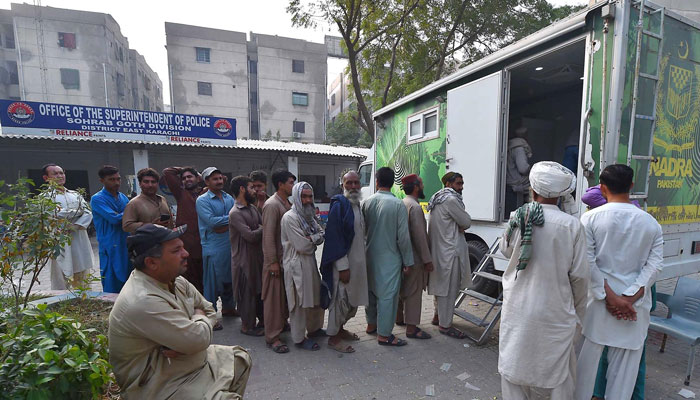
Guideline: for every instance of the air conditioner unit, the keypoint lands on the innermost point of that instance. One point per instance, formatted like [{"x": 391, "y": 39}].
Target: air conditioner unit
[{"x": 296, "y": 135}]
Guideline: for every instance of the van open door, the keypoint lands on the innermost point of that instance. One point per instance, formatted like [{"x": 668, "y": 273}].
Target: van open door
[{"x": 475, "y": 145}]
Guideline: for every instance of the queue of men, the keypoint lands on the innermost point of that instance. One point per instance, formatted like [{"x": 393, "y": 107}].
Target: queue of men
[{"x": 256, "y": 254}]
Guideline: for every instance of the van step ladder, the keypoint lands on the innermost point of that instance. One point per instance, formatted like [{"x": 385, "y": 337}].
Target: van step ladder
[
  {"x": 483, "y": 322},
  {"x": 638, "y": 74}
]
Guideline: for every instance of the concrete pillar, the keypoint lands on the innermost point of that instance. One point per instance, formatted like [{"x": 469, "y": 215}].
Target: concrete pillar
[
  {"x": 293, "y": 165},
  {"x": 140, "y": 162}
]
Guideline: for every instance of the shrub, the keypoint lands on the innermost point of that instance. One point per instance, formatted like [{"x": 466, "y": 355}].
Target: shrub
[{"x": 49, "y": 356}]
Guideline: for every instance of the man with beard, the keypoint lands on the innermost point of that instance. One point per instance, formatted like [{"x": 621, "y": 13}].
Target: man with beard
[
  {"x": 185, "y": 184},
  {"x": 148, "y": 207},
  {"x": 388, "y": 253},
  {"x": 300, "y": 234},
  {"x": 413, "y": 284},
  {"x": 451, "y": 273},
  {"x": 160, "y": 329},
  {"x": 343, "y": 263},
  {"x": 259, "y": 179},
  {"x": 108, "y": 209},
  {"x": 245, "y": 234},
  {"x": 274, "y": 298},
  {"x": 212, "y": 215}
]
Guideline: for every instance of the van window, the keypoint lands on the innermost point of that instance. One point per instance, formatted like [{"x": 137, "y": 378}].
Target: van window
[{"x": 365, "y": 175}]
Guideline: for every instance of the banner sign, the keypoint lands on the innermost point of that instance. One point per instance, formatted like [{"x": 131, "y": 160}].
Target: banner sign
[{"x": 98, "y": 123}]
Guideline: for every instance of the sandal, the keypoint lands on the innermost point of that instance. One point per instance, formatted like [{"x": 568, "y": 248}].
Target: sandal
[
  {"x": 390, "y": 341},
  {"x": 340, "y": 347},
  {"x": 217, "y": 326},
  {"x": 317, "y": 333},
  {"x": 453, "y": 332},
  {"x": 418, "y": 334},
  {"x": 280, "y": 348},
  {"x": 254, "y": 332},
  {"x": 347, "y": 335},
  {"x": 308, "y": 344}
]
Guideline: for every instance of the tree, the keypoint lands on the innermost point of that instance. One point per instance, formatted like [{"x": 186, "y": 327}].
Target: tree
[
  {"x": 396, "y": 47},
  {"x": 344, "y": 130}
]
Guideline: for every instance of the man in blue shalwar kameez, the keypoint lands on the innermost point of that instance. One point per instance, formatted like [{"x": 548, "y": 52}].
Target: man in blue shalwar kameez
[
  {"x": 107, "y": 210},
  {"x": 389, "y": 253}
]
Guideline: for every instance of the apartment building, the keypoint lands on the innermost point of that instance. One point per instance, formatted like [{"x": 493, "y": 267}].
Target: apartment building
[{"x": 339, "y": 98}]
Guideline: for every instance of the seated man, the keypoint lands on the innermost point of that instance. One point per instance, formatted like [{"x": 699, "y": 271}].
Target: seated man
[{"x": 160, "y": 328}]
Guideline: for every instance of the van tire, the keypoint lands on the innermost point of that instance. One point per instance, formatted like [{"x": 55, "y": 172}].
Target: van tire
[{"x": 477, "y": 250}]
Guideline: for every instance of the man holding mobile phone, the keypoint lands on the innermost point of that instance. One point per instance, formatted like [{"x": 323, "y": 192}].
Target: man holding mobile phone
[{"x": 148, "y": 207}]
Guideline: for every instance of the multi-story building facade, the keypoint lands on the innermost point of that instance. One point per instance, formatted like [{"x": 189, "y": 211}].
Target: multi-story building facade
[
  {"x": 339, "y": 98},
  {"x": 274, "y": 86},
  {"x": 146, "y": 87},
  {"x": 68, "y": 56}
]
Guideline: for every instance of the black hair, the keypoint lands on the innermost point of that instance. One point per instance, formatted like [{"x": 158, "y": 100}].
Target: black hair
[
  {"x": 237, "y": 183},
  {"x": 45, "y": 168},
  {"x": 281, "y": 176},
  {"x": 453, "y": 178},
  {"x": 139, "y": 261},
  {"x": 147, "y": 172},
  {"x": 385, "y": 177},
  {"x": 617, "y": 178},
  {"x": 107, "y": 170},
  {"x": 191, "y": 170},
  {"x": 258, "y": 176}
]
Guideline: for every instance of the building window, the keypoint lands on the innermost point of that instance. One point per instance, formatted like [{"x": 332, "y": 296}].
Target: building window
[
  {"x": 253, "y": 66},
  {"x": 202, "y": 54},
  {"x": 14, "y": 74},
  {"x": 146, "y": 103},
  {"x": 121, "y": 85},
  {"x": 70, "y": 78},
  {"x": 423, "y": 125},
  {"x": 9, "y": 36},
  {"x": 66, "y": 40},
  {"x": 146, "y": 82},
  {"x": 300, "y": 99},
  {"x": 333, "y": 99},
  {"x": 204, "y": 88},
  {"x": 253, "y": 97},
  {"x": 298, "y": 66},
  {"x": 299, "y": 126}
]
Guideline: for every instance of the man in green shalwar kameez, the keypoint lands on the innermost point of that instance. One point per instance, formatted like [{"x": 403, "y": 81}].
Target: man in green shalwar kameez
[{"x": 388, "y": 254}]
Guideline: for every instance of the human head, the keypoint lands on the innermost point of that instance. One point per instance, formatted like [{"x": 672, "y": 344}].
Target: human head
[
  {"x": 189, "y": 177},
  {"x": 303, "y": 200},
  {"x": 259, "y": 179},
  {"x": 453, "y": 180},
  {"x": 616, "y": 179},
  {"x": 352, "y": 186},
  {"x": 384, "y": 177},
  {"x": 520, "y": 132},
  {"x": 158, "y": 251},
  {"x": 54, "y": 173},
  {"x": 550, "y": 181},
  {"x": 283, "y": 180},
  {"x": 242, "y": 185},
  {"x": 413, "y": 186},
  {"x": 214, "y": 179},
  {"x": 109, "y": 177},
  {"x": 148, "y": 181}
]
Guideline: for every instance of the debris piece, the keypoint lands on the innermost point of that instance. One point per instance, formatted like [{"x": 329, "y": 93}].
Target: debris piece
[
  {"x": 463, "y": 376},
  {"x": 470, "y": 386},
  {"x": 445, "y": 367},
  {"x": 687, "y": 394},
  {"x": 430, "y": 390},
  {"x": 466, "y": 345}
]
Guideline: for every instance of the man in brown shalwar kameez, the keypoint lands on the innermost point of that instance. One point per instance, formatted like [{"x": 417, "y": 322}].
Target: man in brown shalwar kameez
[
  {"x": 245, "y": 232},
  {"x": 273, "y": 294}
]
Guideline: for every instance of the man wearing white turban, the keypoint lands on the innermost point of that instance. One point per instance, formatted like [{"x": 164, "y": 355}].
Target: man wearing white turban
[
  {"x": 301, "y": 233},
  {"x": 544, "y": 290}
]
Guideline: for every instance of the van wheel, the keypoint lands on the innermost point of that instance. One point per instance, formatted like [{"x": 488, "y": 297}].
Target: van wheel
[{"x": 477, "y": 250}]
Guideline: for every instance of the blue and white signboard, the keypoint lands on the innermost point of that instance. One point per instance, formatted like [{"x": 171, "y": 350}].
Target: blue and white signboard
[{"x": 100, "y": 123}]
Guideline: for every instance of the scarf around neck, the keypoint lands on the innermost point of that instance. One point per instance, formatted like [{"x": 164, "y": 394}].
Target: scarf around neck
[
  {"x": 525, "y": 217},
  {"x": 442, "y": 195},
  {"x": 312, "y": 227}
]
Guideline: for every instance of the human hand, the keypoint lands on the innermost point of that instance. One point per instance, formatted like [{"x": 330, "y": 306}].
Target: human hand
[
  {"x": 158, "y": 221},
  {"x": 169, "y": 353},
  {"x": 274, "y": 270},
  {"x": 406, "y": 270},
  {"x": 199, "y": 311},
  {"x": 620, "y": 306},
  {"x": 221, "y": 229},
  {"x": 428, "y": 266},
  {"x": 344, "y": 276}
]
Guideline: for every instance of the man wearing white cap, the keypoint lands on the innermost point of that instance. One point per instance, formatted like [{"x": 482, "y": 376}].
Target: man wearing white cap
[
  {"x": 544, "y": 290},
  {"x": 518, "y": 165}
]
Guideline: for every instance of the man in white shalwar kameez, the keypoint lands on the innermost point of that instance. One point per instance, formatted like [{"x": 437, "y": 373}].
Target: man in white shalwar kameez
[
  {"x": 75, "y": 260},
  {"x": 625, "y": 252},
  {"x": 544, "y": 291},
  {"x": 451, "y": 271},
  {"x": 301, "y": 233}
]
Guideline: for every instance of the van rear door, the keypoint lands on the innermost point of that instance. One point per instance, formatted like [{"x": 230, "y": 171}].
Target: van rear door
[{"x": 475, "y": 146}]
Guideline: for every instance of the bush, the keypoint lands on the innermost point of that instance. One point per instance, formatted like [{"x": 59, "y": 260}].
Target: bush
[{"x": 49, "y": 356}]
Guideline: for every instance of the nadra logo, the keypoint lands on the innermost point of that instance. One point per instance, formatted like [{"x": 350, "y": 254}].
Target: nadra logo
[
  {"x": 222, "y": 127},
  {"x": 20, "y": 113}
]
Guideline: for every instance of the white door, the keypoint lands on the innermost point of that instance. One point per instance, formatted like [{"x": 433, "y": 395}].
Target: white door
[{"x": 474, "y": 146}]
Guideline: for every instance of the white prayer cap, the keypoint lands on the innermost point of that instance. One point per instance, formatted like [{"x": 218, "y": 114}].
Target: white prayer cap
[{"x": 550, "y": 179}]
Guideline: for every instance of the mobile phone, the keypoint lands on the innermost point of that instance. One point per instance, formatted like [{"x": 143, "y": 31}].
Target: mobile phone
[{"x": 164, "y": 217}]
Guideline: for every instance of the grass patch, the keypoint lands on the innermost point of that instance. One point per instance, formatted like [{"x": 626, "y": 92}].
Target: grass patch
[{"x": 91, "y": 313}]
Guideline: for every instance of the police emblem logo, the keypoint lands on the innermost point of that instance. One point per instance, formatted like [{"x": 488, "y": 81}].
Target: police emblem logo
[
  {"x": 20, "y": 113},
  {"x": 679, "y": 92},
  {"x": 222, "y": 127}
]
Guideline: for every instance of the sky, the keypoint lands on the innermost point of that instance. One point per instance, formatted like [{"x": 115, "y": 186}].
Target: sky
[{"x": 143, "y": 23}]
